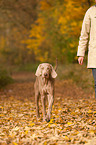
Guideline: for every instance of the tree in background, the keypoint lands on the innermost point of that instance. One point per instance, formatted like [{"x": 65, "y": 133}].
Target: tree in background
[
  {"x": 40, "y": 30},
  {"x": 16, "y": 17},
  {"x": 56, "y": 31}
]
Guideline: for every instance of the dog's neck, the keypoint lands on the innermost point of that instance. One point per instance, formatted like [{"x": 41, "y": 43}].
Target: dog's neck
[{"x": 45, "y": 80}]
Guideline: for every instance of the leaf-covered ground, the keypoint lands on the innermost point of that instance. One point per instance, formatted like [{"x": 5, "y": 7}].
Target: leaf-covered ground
[{"x": 73, "y": 118}]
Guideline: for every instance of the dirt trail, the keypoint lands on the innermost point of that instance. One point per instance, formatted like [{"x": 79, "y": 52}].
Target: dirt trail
[
  {"x": 73, "y": 114},
  {"x": 24, "y": 88}
]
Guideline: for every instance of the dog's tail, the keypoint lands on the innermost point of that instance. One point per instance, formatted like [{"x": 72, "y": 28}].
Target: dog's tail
[{"x": 55, "y": 68}]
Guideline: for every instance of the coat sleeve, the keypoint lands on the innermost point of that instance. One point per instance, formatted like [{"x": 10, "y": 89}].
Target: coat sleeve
[{"x": 83, "y": 40}]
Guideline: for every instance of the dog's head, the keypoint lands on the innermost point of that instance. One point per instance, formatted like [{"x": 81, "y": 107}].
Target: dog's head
[{"x": 46, "y": 70}]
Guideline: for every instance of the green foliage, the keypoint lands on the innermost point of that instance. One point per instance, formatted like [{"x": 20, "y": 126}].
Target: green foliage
[
  {"x": 56, "y": 31},
  {"x": 5, "y": 79},
  {"x": 16, "y": 18},
  {"x": 79, "y": 74},
  {"x": 28, "y": 68},
  {"x": 40, "y": 30}
]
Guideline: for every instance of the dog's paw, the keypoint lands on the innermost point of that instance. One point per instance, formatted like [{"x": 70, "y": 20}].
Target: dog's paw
[
  {"x": 47, "y": 119},
  {"x": 38, "y": 117},
  {"x": 44, "y": 119}
]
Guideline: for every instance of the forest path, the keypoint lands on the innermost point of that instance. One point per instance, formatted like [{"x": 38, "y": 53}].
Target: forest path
[
  {"x": 73, "y": 119},
  {"x": 24, "y": 88}
]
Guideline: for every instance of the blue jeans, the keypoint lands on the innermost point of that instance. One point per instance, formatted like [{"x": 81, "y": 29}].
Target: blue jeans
[{"x": 94, "y": 75}]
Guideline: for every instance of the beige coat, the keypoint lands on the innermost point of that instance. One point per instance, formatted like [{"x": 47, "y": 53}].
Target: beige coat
[{"x": 88, "y": 37}]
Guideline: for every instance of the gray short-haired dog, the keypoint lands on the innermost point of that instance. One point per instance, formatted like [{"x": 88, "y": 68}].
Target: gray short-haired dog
[{"x": 44, "y": 87}]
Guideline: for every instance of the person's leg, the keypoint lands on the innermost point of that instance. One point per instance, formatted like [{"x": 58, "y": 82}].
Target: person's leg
[{"x": 94, "y": 75}]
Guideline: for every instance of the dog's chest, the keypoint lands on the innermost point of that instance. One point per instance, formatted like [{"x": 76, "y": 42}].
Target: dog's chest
[{"x": 45, "y": 87}]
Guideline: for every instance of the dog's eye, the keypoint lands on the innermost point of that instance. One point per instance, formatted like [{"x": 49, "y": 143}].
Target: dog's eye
[
  {"x": 42, "y": 67},
  {"x": 48, "y": 68}
]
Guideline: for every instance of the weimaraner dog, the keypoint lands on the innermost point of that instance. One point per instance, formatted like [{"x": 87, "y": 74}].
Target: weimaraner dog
[{"x": 44, "y": 87}]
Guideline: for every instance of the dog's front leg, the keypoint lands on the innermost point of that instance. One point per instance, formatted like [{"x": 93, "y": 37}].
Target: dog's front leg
[
  {"x": 43, "y": 107},
  {"x": 37, "y": 105},
  {"x": 50, "y": 101}
]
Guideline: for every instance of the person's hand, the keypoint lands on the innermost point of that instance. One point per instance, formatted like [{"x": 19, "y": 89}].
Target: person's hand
[{"x": 80, "y": 60}]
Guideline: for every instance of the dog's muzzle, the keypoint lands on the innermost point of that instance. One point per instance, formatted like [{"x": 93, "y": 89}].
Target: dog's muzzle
[{"x": 46, "y": 75}]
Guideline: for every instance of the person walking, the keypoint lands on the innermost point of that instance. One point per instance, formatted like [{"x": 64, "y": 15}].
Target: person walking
[{"x": 88, "y": 38}]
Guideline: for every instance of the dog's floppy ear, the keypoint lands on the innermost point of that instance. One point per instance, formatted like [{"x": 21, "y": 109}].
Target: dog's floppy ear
[
  {"x": 38, "y": 71},
  {"x": 53, "y": 73}
]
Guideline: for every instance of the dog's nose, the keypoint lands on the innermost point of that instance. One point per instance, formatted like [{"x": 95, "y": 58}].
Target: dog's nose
[{"x": 45, "y": 74}]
